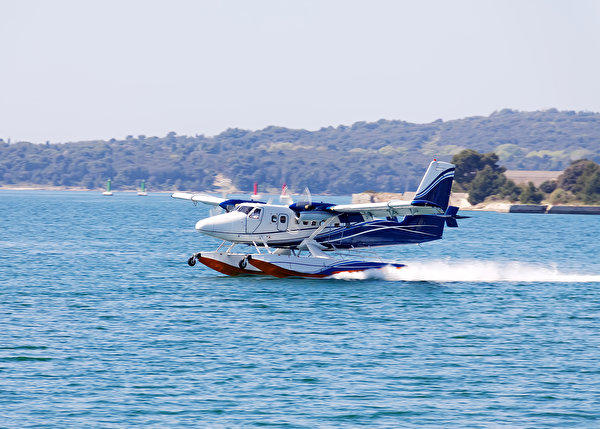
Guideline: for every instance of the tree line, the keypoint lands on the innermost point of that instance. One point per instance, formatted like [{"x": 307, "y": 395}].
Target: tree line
[
  {"x": 380, "y": 156},
  {"x": 480, "y": 175}
]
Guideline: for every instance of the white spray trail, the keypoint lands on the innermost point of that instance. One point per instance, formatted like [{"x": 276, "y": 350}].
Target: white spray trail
[{"x": 471, "y": 271}]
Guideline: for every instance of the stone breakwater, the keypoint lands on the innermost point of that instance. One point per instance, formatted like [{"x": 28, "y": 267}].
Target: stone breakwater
[
  {"x": 574, "y": 210},
  {"x": 538, "y": 208}
]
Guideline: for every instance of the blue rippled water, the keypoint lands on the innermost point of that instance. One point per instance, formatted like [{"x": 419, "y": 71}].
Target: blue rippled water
[{"x": 105, "y": 325}]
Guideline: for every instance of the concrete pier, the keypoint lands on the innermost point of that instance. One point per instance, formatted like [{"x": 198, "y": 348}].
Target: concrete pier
[
  {"x": 527, "y": 208},
  {"x": 591, "y": 210}
]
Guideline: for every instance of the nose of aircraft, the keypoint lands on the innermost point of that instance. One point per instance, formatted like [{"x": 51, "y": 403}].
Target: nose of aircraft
[
  {"x": 226, "y": 223},
  {"x": 205, "y": 225}
]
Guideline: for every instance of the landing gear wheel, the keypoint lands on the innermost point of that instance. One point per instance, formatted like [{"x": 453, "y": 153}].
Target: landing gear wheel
[
  {"x": 243, "y": 263},
  {"x": 192, "y": 261}
]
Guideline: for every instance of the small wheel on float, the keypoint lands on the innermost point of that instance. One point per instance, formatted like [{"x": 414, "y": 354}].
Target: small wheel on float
[{"x": 192, "y": 261}]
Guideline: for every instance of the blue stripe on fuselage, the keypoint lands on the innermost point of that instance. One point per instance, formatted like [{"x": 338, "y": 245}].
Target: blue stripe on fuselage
[{"x": 412, "y": 229}]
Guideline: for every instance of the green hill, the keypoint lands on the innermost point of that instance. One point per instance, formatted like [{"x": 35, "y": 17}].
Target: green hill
[{"x": 381, "y": 156}]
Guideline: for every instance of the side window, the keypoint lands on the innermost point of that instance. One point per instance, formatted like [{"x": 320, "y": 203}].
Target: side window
[
  {"x": 255, "y": 214},
  {"x": 282, "y": 219},
  {"x": 274, "y": 218}
]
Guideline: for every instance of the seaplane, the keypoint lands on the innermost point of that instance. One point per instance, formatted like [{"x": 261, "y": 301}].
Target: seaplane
[{"x": 310, "y": 239}]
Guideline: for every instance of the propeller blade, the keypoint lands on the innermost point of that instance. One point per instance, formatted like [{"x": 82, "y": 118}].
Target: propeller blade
[
  {"x": 308, "y": 195},
  {"x": 215, "y": 210}
]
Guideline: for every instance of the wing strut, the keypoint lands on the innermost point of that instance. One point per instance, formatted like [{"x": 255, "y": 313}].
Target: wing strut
[{"x": 310, "y": 243}]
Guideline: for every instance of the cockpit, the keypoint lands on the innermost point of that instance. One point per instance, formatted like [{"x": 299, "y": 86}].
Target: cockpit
[{"x": 251, "y": 211}]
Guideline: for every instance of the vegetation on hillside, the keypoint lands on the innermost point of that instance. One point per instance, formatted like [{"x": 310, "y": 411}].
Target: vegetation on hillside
[
  {"x": 383, "y": 156},
  {"x": 480, "y": 176},
  {"x": 580, "y": 181}
]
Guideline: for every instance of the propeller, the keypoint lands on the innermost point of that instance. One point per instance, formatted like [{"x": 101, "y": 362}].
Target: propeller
[
  {"x": 308, "y": 195},
  {"x": 307, "y": 202},
  {"x": 217, "y": 210}
]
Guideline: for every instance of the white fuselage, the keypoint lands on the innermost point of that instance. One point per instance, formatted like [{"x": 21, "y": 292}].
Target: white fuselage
[{"x": 264, "y": 223}]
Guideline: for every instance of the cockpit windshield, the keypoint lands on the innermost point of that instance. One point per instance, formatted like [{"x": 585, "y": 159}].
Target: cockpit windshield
[{"x": 252, "y": 212}]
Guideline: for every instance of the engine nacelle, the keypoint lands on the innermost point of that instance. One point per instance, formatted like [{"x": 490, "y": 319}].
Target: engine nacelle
[{"x": 314, "y": 215}]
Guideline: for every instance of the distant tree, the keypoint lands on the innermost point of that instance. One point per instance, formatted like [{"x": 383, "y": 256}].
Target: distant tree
[
  {"x": 582, "y": 178},
  {"x": 479, "y": 175},
  {"x": 574, "y": 176},
  {"x": 548, "y": 186},
  {"x": 486, "y": 182},
  {"x": 469, "y": 163},
  {"x": 591, "y": 189},
  {"x": 510, "y": 190},
  {"x": 560, "y": 196},
  {"x": 530, "y": 194}
]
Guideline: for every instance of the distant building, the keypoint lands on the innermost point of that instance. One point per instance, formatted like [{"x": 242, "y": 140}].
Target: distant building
[{"x": 523, "y": 177}]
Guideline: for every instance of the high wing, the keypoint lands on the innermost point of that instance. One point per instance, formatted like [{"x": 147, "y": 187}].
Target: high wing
[
  {"x": 391, "y": 208},
  {"x": 199, "y": 198}
]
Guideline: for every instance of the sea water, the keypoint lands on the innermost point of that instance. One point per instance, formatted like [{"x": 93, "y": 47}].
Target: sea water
[{"x": 103, "y": 324}]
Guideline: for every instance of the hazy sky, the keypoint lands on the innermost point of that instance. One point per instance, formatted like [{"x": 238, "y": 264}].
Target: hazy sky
[{"x": 82, "y": 70}]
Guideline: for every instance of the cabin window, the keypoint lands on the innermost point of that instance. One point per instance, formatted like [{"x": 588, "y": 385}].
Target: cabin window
[
  {"x": 274, "y": 218},
  {"x": 245, "y": 209},
  {"x": 255, "y": 214},
  {"x": 282, "y": 219},
  {"x": 314, "y": 223},
  {"x": 304, "y": 222}
]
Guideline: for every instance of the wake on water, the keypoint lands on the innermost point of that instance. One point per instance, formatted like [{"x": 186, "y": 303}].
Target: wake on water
[{"x": 470, "y": 271}]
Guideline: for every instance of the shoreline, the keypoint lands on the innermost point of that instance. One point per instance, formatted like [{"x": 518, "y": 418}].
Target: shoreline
[
  {"x": 73, "y": 189},
  {"x": 45, "y": 188},
  {"x": 457, "y": 199}
]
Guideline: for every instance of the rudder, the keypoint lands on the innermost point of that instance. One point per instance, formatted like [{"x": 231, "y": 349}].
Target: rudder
[{"x": 436, "y": 184}]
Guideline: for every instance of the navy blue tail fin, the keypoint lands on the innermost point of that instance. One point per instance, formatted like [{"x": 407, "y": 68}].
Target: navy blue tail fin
[{"x": 437, "y": 184}]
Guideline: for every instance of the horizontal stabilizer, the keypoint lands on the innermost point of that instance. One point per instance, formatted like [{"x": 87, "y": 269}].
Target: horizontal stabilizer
[
  {"x": 451, "y": 216},
  {"x": 451, "y": 222}
]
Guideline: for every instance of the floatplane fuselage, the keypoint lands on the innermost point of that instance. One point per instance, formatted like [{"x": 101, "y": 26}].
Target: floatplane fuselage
[{"x": 281, "y": 233}]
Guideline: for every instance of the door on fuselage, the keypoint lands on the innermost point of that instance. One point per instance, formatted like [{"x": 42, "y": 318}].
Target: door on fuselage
[
  {"x": 282, "y": 222},
  {"x": 253, "y": 220}
]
